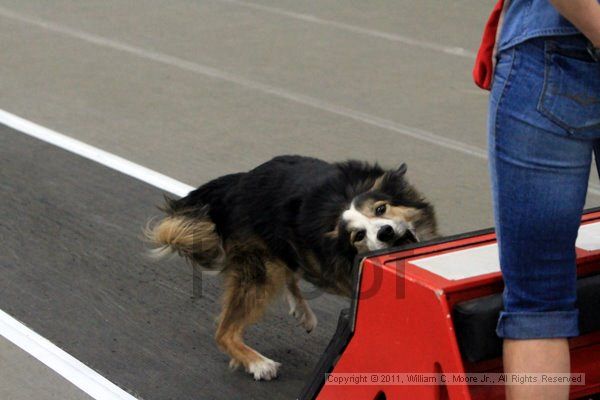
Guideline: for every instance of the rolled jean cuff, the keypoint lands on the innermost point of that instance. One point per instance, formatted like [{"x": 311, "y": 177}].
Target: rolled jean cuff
[{"x": 538, "y": 325}]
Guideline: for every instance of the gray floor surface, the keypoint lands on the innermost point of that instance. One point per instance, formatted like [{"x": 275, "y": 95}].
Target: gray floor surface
[
  {"x": 22, "y": 377},
  {"x": 198, "y": 89},
  {"x": 74, "y": 271},
  {"x": 194, "y": 90}
]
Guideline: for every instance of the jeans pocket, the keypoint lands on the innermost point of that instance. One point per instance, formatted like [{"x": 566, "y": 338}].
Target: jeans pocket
[
  {"x": 571, "y": 94},
  {"x": 502, "y": 71}
]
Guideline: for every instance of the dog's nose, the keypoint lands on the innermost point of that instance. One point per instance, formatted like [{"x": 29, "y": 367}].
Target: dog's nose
[{"x": 386, "y": 233}]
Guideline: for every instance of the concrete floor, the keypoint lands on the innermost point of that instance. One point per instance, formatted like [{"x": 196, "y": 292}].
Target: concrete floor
[
  {"x": 231, "y": 86},
  {"x": 232, "y": 83},
  {"x": 198, "y": 89},
  {"x": 23, "y": 377},
  {"x": 74, "y": 270}
]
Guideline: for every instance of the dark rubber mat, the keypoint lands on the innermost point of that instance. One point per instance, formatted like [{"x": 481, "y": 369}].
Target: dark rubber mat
[
  {"x": 72, "y": 268},
  {"x": 475, "y": 320}
]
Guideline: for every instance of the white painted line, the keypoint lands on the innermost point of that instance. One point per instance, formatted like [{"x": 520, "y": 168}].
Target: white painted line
[
  {"x": 190, "y": 66},
  {"x": 58, "y": 360},
  {"x": 588, "y": 237},
  {"x": 462, "y": 264},
  {"x": 64, "y": 364},
  {"x": 95, "y": 154},
  {"x": 414, "y": 133},
  {"x": 452, "y": 50},
  {"x": 214, "y": 73}
]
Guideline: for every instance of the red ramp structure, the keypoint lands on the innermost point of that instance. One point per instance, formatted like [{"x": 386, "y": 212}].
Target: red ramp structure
[{"x": 432, "y": 308}]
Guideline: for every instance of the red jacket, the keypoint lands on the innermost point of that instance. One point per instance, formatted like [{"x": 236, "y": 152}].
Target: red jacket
[{"x": 484, "y": 64}]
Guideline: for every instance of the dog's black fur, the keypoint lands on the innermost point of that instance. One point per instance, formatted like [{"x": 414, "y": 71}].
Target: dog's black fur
[
  {"x": 287, "y": 212},
  {"x": 292, "y": 203}
]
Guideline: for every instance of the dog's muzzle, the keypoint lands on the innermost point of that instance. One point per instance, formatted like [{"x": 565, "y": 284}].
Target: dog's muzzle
[
  {"x": 386, "y": 234},
  {"x": 407, "y": 238}
]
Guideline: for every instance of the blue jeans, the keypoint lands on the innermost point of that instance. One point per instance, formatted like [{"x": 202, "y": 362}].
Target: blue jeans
[{"x": 544, "y": 123}]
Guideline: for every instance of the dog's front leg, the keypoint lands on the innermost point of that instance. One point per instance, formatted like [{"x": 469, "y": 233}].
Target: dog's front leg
[{"x": 299, "y": 307}]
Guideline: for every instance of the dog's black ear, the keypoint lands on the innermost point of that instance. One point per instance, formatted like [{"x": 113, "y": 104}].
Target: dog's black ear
[
  {"x": 401, "y": 170},
  {"x": 393, "y": 182},
  {"x": 394, "y": 175}
]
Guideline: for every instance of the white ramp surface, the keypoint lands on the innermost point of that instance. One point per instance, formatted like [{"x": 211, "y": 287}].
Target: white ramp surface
[
  {"x": 484, "y": 259},
  {"x": 588, "y": 237},
  {"x": 463, "y": 263}
]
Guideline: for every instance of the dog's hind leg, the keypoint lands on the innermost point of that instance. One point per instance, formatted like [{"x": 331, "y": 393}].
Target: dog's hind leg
[
  {"x": 249, "y": 290},
  {"x": 299, "y": 307}
]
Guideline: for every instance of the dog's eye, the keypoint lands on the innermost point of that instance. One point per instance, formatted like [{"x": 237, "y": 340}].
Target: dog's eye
[
  {"x": 359, "y": 235},
  {"x": 379, "y": 211}
]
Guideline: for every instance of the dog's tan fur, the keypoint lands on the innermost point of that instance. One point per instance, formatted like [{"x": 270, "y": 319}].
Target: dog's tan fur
[
  {"x": 252, "y": 280},
  {"x": 195, "y": 239}
]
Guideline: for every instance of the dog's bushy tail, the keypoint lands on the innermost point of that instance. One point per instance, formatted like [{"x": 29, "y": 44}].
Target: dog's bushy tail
[{"x": 187, "y": 231}]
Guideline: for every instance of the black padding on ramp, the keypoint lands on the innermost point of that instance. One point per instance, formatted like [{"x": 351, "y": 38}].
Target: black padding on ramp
[{"x": 475, "y": 320}]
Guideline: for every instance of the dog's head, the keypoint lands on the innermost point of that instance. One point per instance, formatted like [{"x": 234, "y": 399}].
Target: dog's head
[
  {"x": 361, "y": 208},
  {"x": 386, "y": 211}
]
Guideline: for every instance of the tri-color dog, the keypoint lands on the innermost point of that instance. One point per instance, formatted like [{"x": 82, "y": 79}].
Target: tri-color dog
[{"x": 290, "y": 218}]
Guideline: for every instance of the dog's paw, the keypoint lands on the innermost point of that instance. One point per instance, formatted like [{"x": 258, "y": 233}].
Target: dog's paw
[
  {"x": 306, "y": 317},
  {"x": 234, "y": 364},
  {"x": 264, "y": 369}
]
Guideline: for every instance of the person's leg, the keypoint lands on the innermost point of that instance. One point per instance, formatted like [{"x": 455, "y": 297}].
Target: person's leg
[
  {"x": 539, "y": 180},
  {"x": 540, "y": 356}
]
